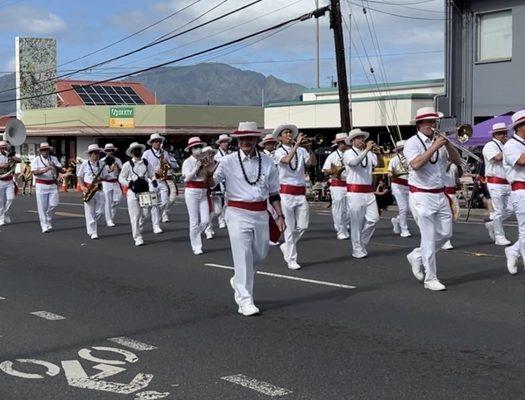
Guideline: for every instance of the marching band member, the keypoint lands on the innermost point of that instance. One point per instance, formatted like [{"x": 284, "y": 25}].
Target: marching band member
[
  {"x": 497, "y": 184},
  {"x": 215, "y": 198},
  {"x": 86, "y": 174},
  {"x": 514, "y": 161},
  {"x": 27, "y": 178},
  {"x": 398, "y": 172},
  {"x": 159, "y": 159},
  {"x": 292, "y": 161},
  {"x": 218, "y": 192},
  {"x": 268, "y": 144},
  {"x": 452, "y": 175},
  {"x": 427, "y": 158},
  {"x": 110, "y": 185},
  {"x": 7, "y": 184},
  {"x": 335, "y": 168},
  {"x": 360, "y": 161},
  {"x": 137, "y": 176},
  {"x": 46, "y": 169},
  {"x": 251, "y": 180},
  {"x": 196, "y": 193}
]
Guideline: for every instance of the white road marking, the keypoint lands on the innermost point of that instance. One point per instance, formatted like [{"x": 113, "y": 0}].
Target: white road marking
[
  {"x": 128, "y": 355},
  {"x": 151, "y": 395},
  {"x": 132, "y": 343},
  {"x": 292, "y": 278},
  {"x": 47, "y": 315},
  {"x": 60, "y": 214},
  {"x": 259, "y": 386},
  {"x": 2, "y": 298},
  {"x": 7, "y": 367}
]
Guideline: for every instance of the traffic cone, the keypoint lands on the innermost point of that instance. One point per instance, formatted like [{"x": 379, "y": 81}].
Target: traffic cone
[{"x": 63, "y": 186}]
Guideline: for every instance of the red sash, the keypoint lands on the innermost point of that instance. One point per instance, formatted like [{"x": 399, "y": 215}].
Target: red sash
[
  {"x": 400, "y": 181},
  {"x": 450, "y": 190},
  {"x": 196, "y": 185},
  {"x": 110, "y": 180},
  {"x": 518, "y": 185},
  {"x": 495, "y": 179},
  {"x": 415, "y": 189},
  {"x": 338, "y": 183},
  {"x": 355, "y": 188},
  {"x": 7, "y": 178},
  {"x": 275, "y": 233},
  {"x": 46, "y": 181},
  {"x": 293, "y": 190}
]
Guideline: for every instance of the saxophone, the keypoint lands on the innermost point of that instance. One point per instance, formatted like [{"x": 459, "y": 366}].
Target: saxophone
[
  {"x": 165, "y": 168},
  {"x": 95, "y": 186},
  {"x": 11, "y": 163}
]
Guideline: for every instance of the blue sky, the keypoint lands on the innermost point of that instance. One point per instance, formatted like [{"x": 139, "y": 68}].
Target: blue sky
[{"x": 410, "y": 48}]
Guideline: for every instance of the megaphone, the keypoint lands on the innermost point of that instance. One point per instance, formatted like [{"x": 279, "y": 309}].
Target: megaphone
[{"x": 15, "y": 132}]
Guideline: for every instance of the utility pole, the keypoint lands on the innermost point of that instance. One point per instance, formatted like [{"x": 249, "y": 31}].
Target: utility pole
[
  {"x": 350, "y": 69},
  {"x": 342, "y": 84},
  {"x": 318, "y": 68}
]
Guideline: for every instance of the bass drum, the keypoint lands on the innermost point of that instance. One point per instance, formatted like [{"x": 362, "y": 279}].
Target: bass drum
[{"x": 147, "y": 199}]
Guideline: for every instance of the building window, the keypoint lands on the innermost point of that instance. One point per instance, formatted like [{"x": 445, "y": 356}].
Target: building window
[{"x": 494, "y": 36}]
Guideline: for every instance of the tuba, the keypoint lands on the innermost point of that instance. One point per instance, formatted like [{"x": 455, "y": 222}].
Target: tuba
[{"x": 15, "y": 133}]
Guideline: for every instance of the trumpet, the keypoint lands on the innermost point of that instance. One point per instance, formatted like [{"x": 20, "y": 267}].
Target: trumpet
[
  {"x": 463, "y": 133},
  {"x": 307, "y": 141}
]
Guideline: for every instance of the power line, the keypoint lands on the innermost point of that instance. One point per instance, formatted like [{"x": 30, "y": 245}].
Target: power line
[
  {"x": 314, "y": 14},
  {"x": 399, "y": 15}
]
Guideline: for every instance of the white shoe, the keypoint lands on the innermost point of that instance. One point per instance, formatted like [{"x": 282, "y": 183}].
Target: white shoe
[
  {"x": 94, "y": 236},
  {"x": 395, "y": 225},
  {"x": 341, "y": 236},
  {"x": 45, "y": 230},
  {"x": 447, "y": 245},
  {"x": 417, "y": 268},
  {"x": 273, "y": 243},
  {"x": 490, "y": 228},
  {"x": 283, "y": 250},
  {"x": 110, "y": 224},
  {"x": 512, "y": 261},
  {"x": 49, "y": 227},
  {"x": 2, "y": 223},
  {"x": 198, "y": 252},
  {"x": 405, "y": 234},
  {"x": 209, "y": 235},
  {"x": 222, "y": 225},
  {"x": 248, "y": 310},
  {"x": 157, "y": 230},
  {"x": 235, "y": 296},
  {"x": 293, "y": 265},
  {"x": 434, "y": 285},
  {"x": 7, "y": 219},
  {"x": 503, "y": 242},
  {"x": 165, "y": 219},
  {"x": 139, "y": 242},
  {"x": 359, "y": 255}
]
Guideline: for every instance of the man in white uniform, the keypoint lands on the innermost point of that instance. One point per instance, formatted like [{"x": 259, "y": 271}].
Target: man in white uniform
[
  {"x": 427, "y": 158},
  {"x": 514, "y": 161},
  {"x": 110, "y": 185},
  {"x": 398, "y": 173},
  {"x": 196, "y": 193},
  {"x": 268, "y": 144},
  {"x": 497, "y": 184},
  {"x": 251, "y": 180},
  {"x": 46, "y": 169},
  {"x": 335, "y": 169},
  {"x": 360, "y": 162},
  {"x": 156, "y": 156},
  {"x": 292, "y": 161},
  {"x": 137, "y": 177},
  {"x": 86, "y": 174},
  {"x": 7, "y": 184}
]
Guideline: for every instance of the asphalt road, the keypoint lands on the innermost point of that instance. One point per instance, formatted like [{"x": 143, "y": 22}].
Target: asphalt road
[{"x": 386, "y": 338}]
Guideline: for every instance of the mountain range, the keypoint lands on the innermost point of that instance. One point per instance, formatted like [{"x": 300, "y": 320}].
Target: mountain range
[{"x": 208, "y": 83}]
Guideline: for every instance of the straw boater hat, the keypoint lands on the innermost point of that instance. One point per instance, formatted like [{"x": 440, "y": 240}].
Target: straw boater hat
[
  {"x": 518, "y": 118},
  {"x": 134, "y": 146},
  {"x": 93, "y": 147},
  {"x": 3, "y": 143},
  {"x": 355, "y": 133},
  {"x": 400, "y": 144},
  {"x": 426, "y": 113},
  {"x": 290, "y": 127},
  {"x": 247, "y": 129},
  {"x": 223, "y": 138},
  {"x": 109, "y": 146},
  {"x": 339, "y": 137},
  {"x": 194, "y": 141},
  {"x": 267, "y": 139},
  {"x": 155, "y": 136},
  {"x": 209, "y": 148},
  {"x": 45, "y": 146},
  {"x": 498, "y": 127}
]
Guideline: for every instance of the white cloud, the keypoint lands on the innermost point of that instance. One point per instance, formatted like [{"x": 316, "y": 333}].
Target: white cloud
[{"x": 24, "y": 19}]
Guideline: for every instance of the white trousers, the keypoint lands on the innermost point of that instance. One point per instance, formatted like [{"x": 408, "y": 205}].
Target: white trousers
[
  {"x": 163, "y": 191},
  {"x": 112, "y": 198},
  {"x": 517, "y": 199},
  {"x": 7, "y": 195},
  {"x": 137, "y": 216},
  {"x": 93, "y": 210},
  {"x": 434, "y": 218},
  {"x": 249, "y": 237},
  {"x": 297, "y": 217},
  {"x": 363, "y": 214},
  {"x": 46, "y": 202},
  {"x": 218, "y": 207},
  {"x": 339, "y": 209},
  {"x": 400, "y": 193},
  {"x": 199, "y": 214},
  {"x": 501, "y": 203}
]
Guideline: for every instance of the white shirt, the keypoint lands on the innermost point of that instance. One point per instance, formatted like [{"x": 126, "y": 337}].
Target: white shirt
[
  {"x": 139, "y": 170},
  {"x": 293, "y": 173},
  {"x": 429, "y": 176},
  {"x": 230, "y": 172},
  {"x": 360, "y": 174},
  {"x": 153, "y": 157},
  {"x": 512, "y": 150},
  {"x": 41, "y": 162},
  {"x": 114, "y": 174},
  {"x": 220, "y": 154},
  {"x": 493, "y": 167},
  {"x": 335, "y": 158},
  {"x": 190, "y": 170},
  {"x": 451, "y": 175},
  {"x": 396, "y": 168},
  {"x": 4, "y": 160},
  {"x": 88, "y": 170}
]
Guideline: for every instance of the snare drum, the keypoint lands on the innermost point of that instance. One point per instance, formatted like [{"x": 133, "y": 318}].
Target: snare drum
[{"x": 147, "y": 199}]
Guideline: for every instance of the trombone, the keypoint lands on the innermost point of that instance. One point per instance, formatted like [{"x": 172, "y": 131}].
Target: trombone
[{"x": 463, "y": 133}]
